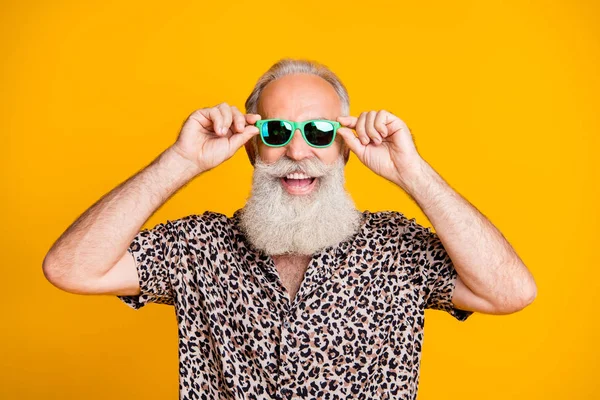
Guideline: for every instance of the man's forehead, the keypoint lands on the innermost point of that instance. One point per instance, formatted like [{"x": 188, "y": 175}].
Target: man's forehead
[
  {"x": 299, "y": 98},
  {"x": 299, "y": 114},
  {"x": 313, "y": 104}
]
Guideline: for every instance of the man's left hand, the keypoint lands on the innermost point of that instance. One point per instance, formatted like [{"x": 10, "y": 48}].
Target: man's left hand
[{"x": 384, "y": 144}]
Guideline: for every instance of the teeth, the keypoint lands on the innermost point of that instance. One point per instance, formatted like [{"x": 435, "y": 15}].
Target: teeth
[{"x": 298, "y": 175}]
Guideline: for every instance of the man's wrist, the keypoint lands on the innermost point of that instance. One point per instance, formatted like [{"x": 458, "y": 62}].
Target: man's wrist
[
  {"x": 413, "y": 177},
  {"x": 179, "y": 165},
  {"x": 425, "y": 186}
]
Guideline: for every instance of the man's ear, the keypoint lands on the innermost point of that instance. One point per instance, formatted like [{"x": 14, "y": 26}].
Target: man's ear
[
  {"x": 346, "y": 152},
  {"x": 250, "y": 147}
]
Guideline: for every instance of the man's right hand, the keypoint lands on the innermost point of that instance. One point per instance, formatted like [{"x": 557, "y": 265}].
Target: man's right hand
[{"x": 211, "y": 136}]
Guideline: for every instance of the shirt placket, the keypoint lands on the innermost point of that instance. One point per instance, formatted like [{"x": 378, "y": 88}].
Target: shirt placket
[
  {"x": 288, "y": 357},
  {"x": 279, "y": 304},
  {"x": 318, "y": 273},
  {"x": 289, "y": 361}
]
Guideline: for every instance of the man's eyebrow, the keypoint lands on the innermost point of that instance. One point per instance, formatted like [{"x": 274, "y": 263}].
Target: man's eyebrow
[{"x": 310, "y": 119}]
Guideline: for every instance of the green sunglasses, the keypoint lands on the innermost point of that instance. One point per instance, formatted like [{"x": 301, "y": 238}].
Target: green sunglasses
[{"x": 316, "y": 132}]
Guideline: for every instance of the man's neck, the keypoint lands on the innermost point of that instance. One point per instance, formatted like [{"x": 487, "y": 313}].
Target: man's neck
[{"x": 291, "y": 269}]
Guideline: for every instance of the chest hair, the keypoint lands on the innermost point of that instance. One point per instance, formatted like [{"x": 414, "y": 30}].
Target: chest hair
[{"x": 291, "y": 269}]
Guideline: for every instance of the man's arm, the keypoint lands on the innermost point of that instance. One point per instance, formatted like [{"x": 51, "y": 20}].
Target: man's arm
[
  {"x": 492, "y": 279},
  {"x": 91, "y": 255}
]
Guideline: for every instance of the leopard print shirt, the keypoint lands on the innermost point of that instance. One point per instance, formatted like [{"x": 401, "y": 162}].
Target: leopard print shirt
[{"x": 354, "y": 329}]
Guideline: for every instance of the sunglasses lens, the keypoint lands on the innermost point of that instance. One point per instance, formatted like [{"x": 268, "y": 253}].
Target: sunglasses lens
[
  {"x": 319, "y": 133},
  {"x": 276, "y": 133}
]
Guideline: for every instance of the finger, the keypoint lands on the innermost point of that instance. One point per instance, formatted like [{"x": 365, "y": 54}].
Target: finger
[
  {"x": 252, "y": 118},
  {"x": 370, "y": 127},
  {"x": 352, "y": 141},
  {"x": 395, "y": 124},
  {"x": 360, "y": 129},
  {"x": 227, "y": 117},
  {"x": 348, "y": 121},
  {"x": 239, "y": 122},
  {"x": 239, "y": 139},
  {"x": 380, "y": 123},
  {"x": 216, "y": 119},
  {"x": 203, "y": 117}
]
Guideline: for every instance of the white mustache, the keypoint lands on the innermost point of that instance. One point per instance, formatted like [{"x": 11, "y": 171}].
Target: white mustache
[{"x": 284, "y": 166}]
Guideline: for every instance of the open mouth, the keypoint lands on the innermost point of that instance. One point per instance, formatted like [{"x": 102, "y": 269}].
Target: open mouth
[{"x": 298, "y": 183}]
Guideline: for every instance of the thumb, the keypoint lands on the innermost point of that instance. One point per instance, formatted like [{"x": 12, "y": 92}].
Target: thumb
[
  {"x": 352, "y": 141},
  {"x": 239, "y": 139},
  {"x": 348, "y": 121},
  {"x": 252, "y": 118}
]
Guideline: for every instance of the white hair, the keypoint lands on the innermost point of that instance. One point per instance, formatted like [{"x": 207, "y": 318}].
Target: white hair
[{"x": 288, "y": 66}]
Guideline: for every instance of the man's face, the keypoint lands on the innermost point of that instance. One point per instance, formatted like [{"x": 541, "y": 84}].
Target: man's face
[
  {"x": 300, "y": 97},
  {"x": 285, "y": 214}
]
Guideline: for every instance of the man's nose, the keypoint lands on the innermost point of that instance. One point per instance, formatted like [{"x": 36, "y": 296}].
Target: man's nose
[{"x": 297, "y": 148}]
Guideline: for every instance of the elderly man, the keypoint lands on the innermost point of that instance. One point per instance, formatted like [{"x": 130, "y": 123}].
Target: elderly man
[{"x": 298, "y": 294}]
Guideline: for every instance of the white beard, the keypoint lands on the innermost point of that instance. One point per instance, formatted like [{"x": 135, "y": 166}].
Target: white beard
[{"x": 277, "y": 222}]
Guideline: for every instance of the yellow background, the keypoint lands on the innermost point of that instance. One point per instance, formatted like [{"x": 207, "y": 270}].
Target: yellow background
[{"x": 502, "y": 99}]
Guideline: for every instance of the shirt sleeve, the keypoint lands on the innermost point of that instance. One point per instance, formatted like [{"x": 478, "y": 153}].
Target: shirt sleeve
[
  {"x": 438, "y": 272},
  {"x": 156, "y": 255}
]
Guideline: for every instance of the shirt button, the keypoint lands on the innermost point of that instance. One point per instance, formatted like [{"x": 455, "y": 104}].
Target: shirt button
[{"x": 286, "y": 324}]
